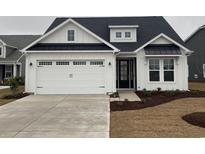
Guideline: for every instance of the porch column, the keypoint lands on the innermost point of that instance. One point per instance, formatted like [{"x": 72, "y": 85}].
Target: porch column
[{"x": 14, "y": 70}]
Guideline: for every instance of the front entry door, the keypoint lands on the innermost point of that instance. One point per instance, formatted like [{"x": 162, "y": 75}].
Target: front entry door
[{"x": 124, "y": 74}]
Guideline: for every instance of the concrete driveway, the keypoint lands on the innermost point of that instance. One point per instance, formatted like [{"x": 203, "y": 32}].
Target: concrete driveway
[{"x": 56, "y": 116}]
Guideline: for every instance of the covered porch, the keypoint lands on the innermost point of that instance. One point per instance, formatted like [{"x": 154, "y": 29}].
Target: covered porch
[{"x": 8, "y": 70}]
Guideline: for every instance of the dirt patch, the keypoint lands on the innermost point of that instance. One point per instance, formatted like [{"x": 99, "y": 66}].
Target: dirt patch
[
  {"x": 197, "y": 119},
  {"x": 153, "y": 99},
  {"x": 159, "y": 121}
]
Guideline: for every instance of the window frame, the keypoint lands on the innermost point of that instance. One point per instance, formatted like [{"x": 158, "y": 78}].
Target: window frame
[
  {"x": 74, "y": 35},
  {"x": 161, "y": 71},
  {"x": 8, "y": 71},
  {"x": 130, "y": 37},
  {"x": 118, "y": 33},
  {"x": 154, "y": 70},
  {"x": 168, "y": 70},
  {"x": 2, "y": 51}
]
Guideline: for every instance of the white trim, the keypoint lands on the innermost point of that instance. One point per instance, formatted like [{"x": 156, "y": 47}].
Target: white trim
[
  {"x": 123, "y": 26},
  {"x": 4, "y": 44},
  {"x": 161, "y": 72},
  {"x": 74, "y": 22},
  {"x": 71, "y": 51},
  {"x": 163, "y": 55},
  {"x": 2, "y": 52},
  {"x": 166, "y": 37}
]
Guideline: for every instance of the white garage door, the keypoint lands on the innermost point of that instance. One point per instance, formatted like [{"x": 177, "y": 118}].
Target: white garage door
[{"x": 70, "y": 77}]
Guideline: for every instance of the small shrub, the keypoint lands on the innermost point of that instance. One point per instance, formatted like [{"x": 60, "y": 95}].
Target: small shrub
[
  {"x": 170, "y": 93},
  {"x": 147, "y": 93},
  {"x": 126, "y": 100},
  {"x": 114, "y": 95},
  {"x": 194, "y": 92},
  {"x": 20, "y": 80},
  {"x": 13, "y": 83},
  {"x": 159, "y": 89}
]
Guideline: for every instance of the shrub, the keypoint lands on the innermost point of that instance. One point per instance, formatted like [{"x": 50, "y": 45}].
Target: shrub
[
  {"x": 159, "y": 89},
  {"x": 20, "y": 80},
  {"x": 169, "y": 93},
  {"x": 194, "y": 92},
  {"x": 114, "y": 95},
  {"x": 13, "y": 83},
  {"x": 147, "y": 93}
]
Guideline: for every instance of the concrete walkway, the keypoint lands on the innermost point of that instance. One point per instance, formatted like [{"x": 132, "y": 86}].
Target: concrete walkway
[
  {"x": 56, "y": 116},
  {"x": 128, "y": 95}
]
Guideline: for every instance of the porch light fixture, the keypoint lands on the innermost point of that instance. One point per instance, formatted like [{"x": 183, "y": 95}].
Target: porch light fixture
[
  {"x": 31, "y": 64},
  {"x": 109, "y": 64}
]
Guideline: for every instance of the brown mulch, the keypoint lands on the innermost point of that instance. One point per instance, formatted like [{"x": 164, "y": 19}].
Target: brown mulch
[
  {"x": 155, "y": 98},
  {"x": 196, "y": 118}
]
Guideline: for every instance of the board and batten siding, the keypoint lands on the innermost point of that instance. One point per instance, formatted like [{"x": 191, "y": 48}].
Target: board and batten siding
[
  {"x": 61, "y": 35},
  {"x": 180, "y": 75},
  {"x": 31, "y": 71}
]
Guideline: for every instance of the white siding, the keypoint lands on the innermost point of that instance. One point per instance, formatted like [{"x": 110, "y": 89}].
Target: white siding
[
  {"x": 60, "y": 35},
  {"x": 181, "y": 74},
  {"x": 31, "y": 74},
  {"x": 123, "y": 39},
  {"x": 161, "y": 40}
]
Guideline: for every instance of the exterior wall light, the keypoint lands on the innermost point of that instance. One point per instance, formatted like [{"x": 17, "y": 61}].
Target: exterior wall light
[
  {"x": 109, "y": 64},
  {"x": 31, "y": 64}
]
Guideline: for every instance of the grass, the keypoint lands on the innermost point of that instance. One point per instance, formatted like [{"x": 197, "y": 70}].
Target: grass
[
  {"x": 197, "y": 86},
  {"x": 7, "y": 91},
  {"x": 159, "y": 121}
]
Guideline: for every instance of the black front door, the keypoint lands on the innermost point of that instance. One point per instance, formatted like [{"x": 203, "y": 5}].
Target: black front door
[{"x": 123, "y": 74}]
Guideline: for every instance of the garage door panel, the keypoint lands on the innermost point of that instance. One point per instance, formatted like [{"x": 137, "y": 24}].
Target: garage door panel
[{"x": 70, "y": 79}]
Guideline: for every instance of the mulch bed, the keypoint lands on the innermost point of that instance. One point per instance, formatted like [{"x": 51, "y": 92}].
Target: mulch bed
[
  {"x": 15, "y": 96},
  {"x": 153, "y": 99},
  {"x": 196, "y": 118}
]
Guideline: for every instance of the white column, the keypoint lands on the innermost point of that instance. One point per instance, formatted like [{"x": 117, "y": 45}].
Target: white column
[{"x": 14, "y": 70}]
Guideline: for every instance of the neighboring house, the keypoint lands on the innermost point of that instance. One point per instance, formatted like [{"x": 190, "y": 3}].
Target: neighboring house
[
  {"x": 12, "y": 61},
  {"x": 196, "y": 42},
  {"x": 100, "y": 55}
]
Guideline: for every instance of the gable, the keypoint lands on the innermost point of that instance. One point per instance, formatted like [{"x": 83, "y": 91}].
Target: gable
[
  {"x": 161, "y": 40},
  {"x": 60, "y": 35}
]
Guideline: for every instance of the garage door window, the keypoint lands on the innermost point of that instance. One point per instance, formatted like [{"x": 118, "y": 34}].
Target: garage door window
[
  {"x": 62, "y": 63},
  {"x": 42, "y": 63},
  {"x": 79, "y": 62},
  {"x": 96, "y": 63}
]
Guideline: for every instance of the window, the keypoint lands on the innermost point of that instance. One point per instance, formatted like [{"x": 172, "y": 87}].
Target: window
[
  {"x": 154, "y": 70},
  {"x": 79, "y": 62},
  {"x": 118, "y": 34},
  {"x": 62, "y": 63},
  {"x": 96, "y": 62},
  {"x": 168, "y": 65},
  {"x": 71, "y": 35},
  {"x": 8, "y": 71},
  {"x": 1, "y": 51},
  {"x": 204, "y": 70},
  {"x": 127, "y": 34},
  {"x": 41, "y": 63}
]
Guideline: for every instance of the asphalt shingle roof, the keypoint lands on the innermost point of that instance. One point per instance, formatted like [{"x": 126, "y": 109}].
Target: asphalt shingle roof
[{"x": 149, "y": 27}]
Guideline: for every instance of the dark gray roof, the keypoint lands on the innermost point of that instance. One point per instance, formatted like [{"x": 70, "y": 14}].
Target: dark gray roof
[
  {"x": 12, "y": 55},
  {"x": 149, "y": 27},
  {"x": 162, "y": 49},
  {"x": 18, "y": 41},
  {"x": 70, "y": 46}
]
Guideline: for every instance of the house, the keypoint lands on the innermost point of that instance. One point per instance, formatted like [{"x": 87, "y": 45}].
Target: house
[
  {"x": 197, "y": 60},
  {"x": 100, "y": 55},
  {"x": 12, "y": 61}
]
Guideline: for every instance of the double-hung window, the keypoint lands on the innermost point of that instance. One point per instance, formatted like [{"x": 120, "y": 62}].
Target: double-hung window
[
  {"x": 168, "y": 65},
  {"x": 71, "y": 35},
  {"x": 154, "y": 70},
  {"x": 118, "y": 34},
  {"x": 1, "y": 51}
]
